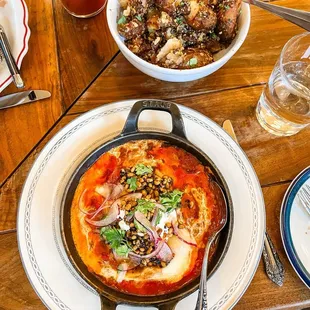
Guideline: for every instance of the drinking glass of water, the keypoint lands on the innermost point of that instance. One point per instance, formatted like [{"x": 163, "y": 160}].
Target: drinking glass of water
[{"x": 284, "y": 106}]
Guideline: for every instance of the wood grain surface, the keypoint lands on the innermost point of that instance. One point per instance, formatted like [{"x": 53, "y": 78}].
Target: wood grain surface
[
  {"x": 22, "y": 127},
  {"x": 77, "y": 59},
  {"x": 85, "y": 46},
  {"x": 262, "y": 293}
]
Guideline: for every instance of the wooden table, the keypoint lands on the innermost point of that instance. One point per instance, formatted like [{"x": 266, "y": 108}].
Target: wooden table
[{"x": 79, "y": 63}]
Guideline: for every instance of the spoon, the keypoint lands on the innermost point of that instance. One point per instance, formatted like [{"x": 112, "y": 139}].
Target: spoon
[
  {"x": 297, "y": 17},
  {"x": 202, "y": 301}
]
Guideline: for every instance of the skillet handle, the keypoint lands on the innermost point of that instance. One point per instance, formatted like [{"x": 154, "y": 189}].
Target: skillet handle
[
  {"x": 131, "y": 125},
  {"x": 107, "y": 304},
  {"x": 168, "y": 306}
]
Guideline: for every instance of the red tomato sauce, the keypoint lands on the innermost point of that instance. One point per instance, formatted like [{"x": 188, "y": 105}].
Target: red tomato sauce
[{"x": 186, "y": 172}]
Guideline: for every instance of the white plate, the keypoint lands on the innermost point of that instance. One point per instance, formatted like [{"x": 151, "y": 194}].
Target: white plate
[
  {"x": 14, "y": 19},
  {"x": 40, "y": 245},
  {"x": 295, "y": 227}
]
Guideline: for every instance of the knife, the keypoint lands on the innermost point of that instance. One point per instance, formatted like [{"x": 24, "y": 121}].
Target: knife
[
  {"x": 10, "y": 61},
  {"x": 23, "y": 97},
  {"x": 273, "y": 265},
  {"x": 227, "y": 126}
]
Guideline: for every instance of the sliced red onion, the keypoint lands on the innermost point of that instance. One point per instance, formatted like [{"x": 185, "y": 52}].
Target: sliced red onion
[
  {"x": 130, "y": 264},
  {"x": 105, "y": 190},
  {"x": 153, "y": 254},
  {"x": 80, "y": 204},
  {"x": 121, "y": 276},
  {"x": 117, "y": 257},
  {"x": 165, "y": 253},
  {"x": 183, "y": 234},
  {"x": 110, "y": 218},
  {"x": 155, "y": 215},
  {"x": 160, "y": 206},
  {"x": 140, "y": 217},
  {"x": 117, "y": 190},
  {"x": 112, "y": 191}
]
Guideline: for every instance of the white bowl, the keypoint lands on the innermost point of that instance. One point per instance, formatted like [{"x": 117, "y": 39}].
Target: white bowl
[{"x": 177, "y": 75}]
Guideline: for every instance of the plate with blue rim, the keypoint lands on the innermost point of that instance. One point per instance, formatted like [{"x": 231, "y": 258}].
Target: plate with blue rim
[{"x": 295, "y": 227}]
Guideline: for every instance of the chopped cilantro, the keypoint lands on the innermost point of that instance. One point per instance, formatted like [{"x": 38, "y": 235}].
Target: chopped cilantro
[
  {"x": 113, "y": 236},
  {"x": 179, "y": 20},
  {"x": 144, "y": 205},
  {"x": 139, "y": 18},
  {"x": 132, "y": 183},
  {"x": 213, "y": 35},
  {"x": 142, "y": 169},
  {"x": 192, "y": 62},
  {"x": 171, "y": 200},
  {"x": 122, "y": 20},
  {"x": 116, "y": 239},
  {"x": 122, "y": 250},
  {"x": 139, "y": 226}
]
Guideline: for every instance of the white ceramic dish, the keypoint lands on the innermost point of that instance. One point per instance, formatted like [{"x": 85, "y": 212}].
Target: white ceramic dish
[
  {"x": 39, "y": 239},
  {"x": 295, "y": 228},
  {"x": 14, "y": 19},
  {"x": 176, "y": 75}
]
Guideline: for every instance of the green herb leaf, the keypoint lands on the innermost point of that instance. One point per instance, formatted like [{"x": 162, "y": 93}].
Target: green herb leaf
[
  {"x": 115, "y": 237},
  {"x": 179, "y": 20},
  {"x": 139, "y": 226},
  {"x": 171, "y": 200},
  {"x": 132, "y": 183},
  {"x": 213, "y": 36},
  {"x": 139, "y": 18},
  {"x": 192, "y": 62},
  {"x": 144, "y": 205},
  {"x": 142, "y": 169},
  {"x": 122, "y": 20},
  {"x": 122, "y": 250},
  {"x": 158, "y": 218}
]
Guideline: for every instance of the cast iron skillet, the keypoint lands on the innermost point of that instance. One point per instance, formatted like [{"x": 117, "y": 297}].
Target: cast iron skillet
[{"x": 110, "y": 298}]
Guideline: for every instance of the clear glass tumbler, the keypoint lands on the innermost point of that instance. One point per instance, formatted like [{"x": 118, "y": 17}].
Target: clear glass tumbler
[
  {"x": 284, "y": 106},
  {"x": 84, "y": 8}
]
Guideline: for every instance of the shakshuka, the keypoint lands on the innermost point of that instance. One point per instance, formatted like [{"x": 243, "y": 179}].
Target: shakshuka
[{"x": 141, "y": 216}]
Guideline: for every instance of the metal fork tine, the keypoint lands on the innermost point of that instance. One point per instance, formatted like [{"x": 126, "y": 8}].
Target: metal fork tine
[
  {"x": 304, "y": 197},
  {"x": 307, "y": 194}
]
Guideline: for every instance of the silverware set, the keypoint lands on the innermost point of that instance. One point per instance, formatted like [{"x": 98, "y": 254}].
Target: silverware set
[
  {"x": 7, "y": 54},
  {"x": 19, "y": 98}
]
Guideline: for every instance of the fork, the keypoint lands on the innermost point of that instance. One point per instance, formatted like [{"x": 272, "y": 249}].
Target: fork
[{"x": 304, "y": 197}]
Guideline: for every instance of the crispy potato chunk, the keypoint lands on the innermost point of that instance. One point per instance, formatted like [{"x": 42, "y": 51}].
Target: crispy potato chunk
[
  {"x": 174, "y": 7},
  {"x": 227, "y": 15},
  {"x": 201, "y": 17},
  {"x": 132, "y": 29},
  {"x": 196, "y": 57}
]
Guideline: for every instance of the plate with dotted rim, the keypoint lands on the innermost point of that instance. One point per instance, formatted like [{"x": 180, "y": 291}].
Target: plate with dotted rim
[{"x": 44, "y": 259}]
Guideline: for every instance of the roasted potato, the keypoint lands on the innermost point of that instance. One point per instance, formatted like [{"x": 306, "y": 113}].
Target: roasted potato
[
  {"x": 201, "y": 16},
  {"x": 227, "y": 15},
  {"x": 138, "y": 45},
  {"x": 132, "y": 29},
  {"x": 196, "y": 57},
  {"x": 174, "y": 7}
]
